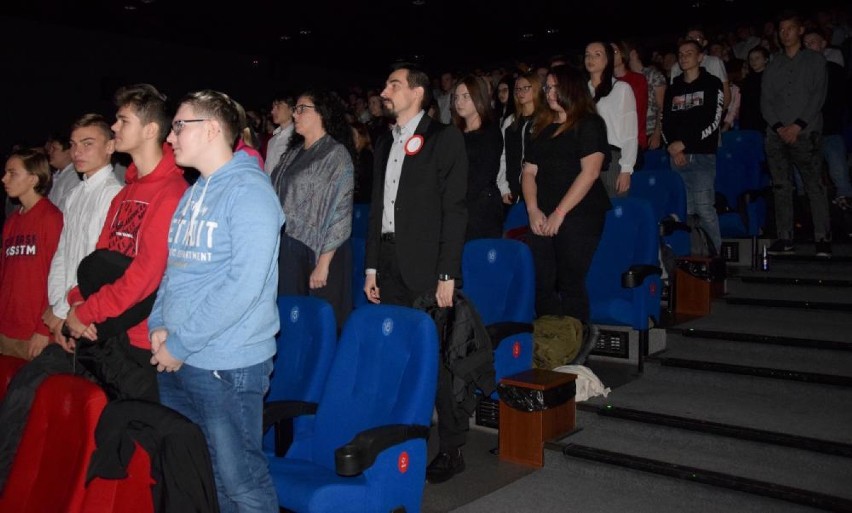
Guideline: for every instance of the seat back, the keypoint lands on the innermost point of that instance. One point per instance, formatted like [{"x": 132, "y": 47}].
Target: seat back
[
  {"x": 9, "y": 366},
  {"x": 360, "y": 219},
  {"x": 307, "y": 341},
  {"x": 49, "y": 468},
  {"x": 499, "y": 277},
  {"x": 517, "y": 221},
  {"x": 359, "y": 254},
  {"x": 740, "y": 170},
  {"x": 117, "y": 495},
  {"x": 666, "y": 193},
  {"x": 384, "y": 372},
  {"x": 630, "y": 237},
  {"x": 655, "y": 159}
]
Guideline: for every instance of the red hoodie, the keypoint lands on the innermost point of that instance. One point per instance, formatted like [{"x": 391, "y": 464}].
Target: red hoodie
[{"x": 137, "y": 225}]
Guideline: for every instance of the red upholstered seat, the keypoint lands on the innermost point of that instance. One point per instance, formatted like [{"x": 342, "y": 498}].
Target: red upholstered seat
[
  {"x": 47, "y": 475},
  {"x": 129, "y": 495},
  {"x": 9, "y": 365}
]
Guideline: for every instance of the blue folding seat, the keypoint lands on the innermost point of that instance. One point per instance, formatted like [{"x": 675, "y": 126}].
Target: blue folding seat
[
  {"x": 306, "y": 342},
  {"x": 623, "y": 282},
  {"x": 517, "y": 221},
  {"x": 655, "y": 159},
  {"x": 367, "y": 451},
  {"x": 666, "y": 193},
  {"x": 498, "y": 276},
  {"x": 741, "y": 184}
]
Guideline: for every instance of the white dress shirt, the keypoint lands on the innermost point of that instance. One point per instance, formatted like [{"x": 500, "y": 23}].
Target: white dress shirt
[{"x": 276, "y": 146}]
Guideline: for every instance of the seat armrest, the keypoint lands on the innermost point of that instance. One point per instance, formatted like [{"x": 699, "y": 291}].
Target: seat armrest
[
  {"x": 281, "y": 414},
  {"x": 360, "y": 453},
  {"x": 502, "y": 330},
  {"x": 637, "y": 274},
  {"x": 669, "y": 225}
]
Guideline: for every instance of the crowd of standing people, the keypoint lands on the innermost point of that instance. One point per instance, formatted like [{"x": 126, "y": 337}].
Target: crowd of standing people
[{"x": 175, "y": 263}]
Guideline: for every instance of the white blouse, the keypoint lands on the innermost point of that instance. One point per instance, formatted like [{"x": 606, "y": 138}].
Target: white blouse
[{"x": 618, "y": 110}]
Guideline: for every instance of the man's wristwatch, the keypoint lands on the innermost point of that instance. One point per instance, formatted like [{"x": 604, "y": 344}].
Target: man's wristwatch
[{"x": 444, "y": 277}]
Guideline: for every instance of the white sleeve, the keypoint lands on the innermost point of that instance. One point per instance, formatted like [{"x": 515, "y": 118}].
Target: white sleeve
[{"x": 502, "y": 182}]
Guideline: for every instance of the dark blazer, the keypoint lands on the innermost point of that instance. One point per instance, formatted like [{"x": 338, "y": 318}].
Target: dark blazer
[{"x": 430, "y": 216}]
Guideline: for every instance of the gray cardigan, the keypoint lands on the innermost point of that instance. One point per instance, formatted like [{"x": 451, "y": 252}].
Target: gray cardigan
[{"x": 315, "y": 188}]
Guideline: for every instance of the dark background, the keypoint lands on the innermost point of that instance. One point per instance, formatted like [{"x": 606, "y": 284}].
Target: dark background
[{"x": 62, "y": 58}]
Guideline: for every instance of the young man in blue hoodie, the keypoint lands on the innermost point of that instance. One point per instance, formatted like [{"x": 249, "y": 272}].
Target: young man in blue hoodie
[{"x": 215, "y": 318}]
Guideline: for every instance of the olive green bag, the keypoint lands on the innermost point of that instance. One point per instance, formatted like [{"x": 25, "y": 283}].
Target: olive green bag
[{"x": 556, "y": 340}]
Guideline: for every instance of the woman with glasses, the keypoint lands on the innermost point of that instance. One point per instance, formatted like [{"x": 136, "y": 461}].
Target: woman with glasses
[
  {"x": 315, "y": 182},
  {"x": 565, "y": 198},
  {"x": 531, "y": 114},
  {"x": 503, "y": 104},
  {"x": 473, "y": 115},
  {"x": 616, "y": 104}
]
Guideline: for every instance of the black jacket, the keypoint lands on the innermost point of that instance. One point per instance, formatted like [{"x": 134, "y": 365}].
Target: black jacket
[
  {"x": 180, "y": 461},
  {"x": 466, "y": 348}
]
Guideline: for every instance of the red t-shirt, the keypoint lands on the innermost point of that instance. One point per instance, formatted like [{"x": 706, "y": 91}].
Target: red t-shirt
[
  {"x": 29, "y": 242},
  {"x": 639, "y": 84}
]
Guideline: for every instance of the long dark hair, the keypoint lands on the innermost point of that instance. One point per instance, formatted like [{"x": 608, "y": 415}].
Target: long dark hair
[
  {"x": 478, "y": 91},
  {"x": 605, "y": 87},
  {"x": 503, "y": 111},
  {"x": 333, "y": 116},
  {"x": 572, "y": 95}
]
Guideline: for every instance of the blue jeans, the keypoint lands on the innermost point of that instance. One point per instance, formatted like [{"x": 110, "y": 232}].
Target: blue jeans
[
  {"x": 228, "y": 406},
  {"x": 834, "y": 153},
  {"x": 699, "y": 178}
]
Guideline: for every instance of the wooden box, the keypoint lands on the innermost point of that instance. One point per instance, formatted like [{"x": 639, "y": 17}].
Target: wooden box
[
  {"x": 522, "y": 433},
  {"x": 698, "y": 281}
]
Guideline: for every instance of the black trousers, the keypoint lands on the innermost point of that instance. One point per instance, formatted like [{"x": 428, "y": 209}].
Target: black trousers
[
  {"x": 561, "y": 265},
  {"x": 453, "y": 420},
  {"x": 297, "y": 261}
]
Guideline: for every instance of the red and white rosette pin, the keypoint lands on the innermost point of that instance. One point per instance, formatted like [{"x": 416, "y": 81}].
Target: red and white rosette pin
[{"x": 413, "y": 145}]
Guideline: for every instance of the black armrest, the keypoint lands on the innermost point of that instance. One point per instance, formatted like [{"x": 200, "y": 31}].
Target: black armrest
[
  {"x": 281, "y": 414},
  {"x": 361, "y": 452},
  {"x": 500, "y": 330},
  {"x": 668, "y": 226},
  {"x": 637, "y": 274}
]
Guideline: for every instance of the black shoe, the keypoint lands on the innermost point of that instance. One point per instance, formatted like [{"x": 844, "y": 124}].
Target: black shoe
[
  {"x": 781, "y": 247},
  {"x": 823, "y": 249},
  {"x": 444, "y": 466}
]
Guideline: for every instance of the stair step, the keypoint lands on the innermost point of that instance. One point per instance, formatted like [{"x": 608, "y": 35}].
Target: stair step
[
  {"x": 725, "y": 430},
  {"x": 733, "y": 336},
  {"x": 781, "y": 358},
  {"x": 727, "y": 478},
  {"x": 795, "y": 408},
  {"x": 761, "y": 320},
  {"x": 782, "y": 291}
]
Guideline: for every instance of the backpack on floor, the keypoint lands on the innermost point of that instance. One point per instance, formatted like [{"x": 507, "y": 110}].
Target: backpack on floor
[{"x": 557, "y": 341}]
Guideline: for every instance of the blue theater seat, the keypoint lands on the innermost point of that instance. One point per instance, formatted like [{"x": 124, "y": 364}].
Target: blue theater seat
[
  {"x": 367, "y": 452},
  {"x": 665, "y": 192},
  {"x": 624, "y": 282},
  {"x": 306, "y": 342}
]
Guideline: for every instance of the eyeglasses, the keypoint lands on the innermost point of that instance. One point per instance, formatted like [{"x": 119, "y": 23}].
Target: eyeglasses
[
  {"x": 179, "y": 124},
  {"x": 301, "y": 108},
  {"x": 461, "y": 97},
  {"x": 547, "y": 88},
  {"x": 523, "y": 89}
]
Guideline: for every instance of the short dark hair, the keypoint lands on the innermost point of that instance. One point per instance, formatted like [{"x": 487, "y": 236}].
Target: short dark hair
[
  {"x": 35, "y": 162},
  {"x": 149, "y": 104},
  {"x": 95, "y": 120},
  {"x": 417, "y": 77},
  {"x": 284, "y": 97}
]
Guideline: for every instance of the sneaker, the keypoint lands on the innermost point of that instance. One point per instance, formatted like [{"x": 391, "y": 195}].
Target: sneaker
[
  {"x": 781, "y": 247},
  {"x": 444, "y": 466},
  {"x": 843, "y": 202},
  {"x": 823, "y": 249}
]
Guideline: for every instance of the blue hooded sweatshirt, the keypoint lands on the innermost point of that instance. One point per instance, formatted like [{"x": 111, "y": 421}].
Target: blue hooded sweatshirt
[{"x": 218, "y": 297}]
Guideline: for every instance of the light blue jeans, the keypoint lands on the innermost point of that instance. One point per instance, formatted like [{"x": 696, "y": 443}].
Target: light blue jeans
[
  {"x": 699, "y": 177},
  {"x": 228, "y": 406}
]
